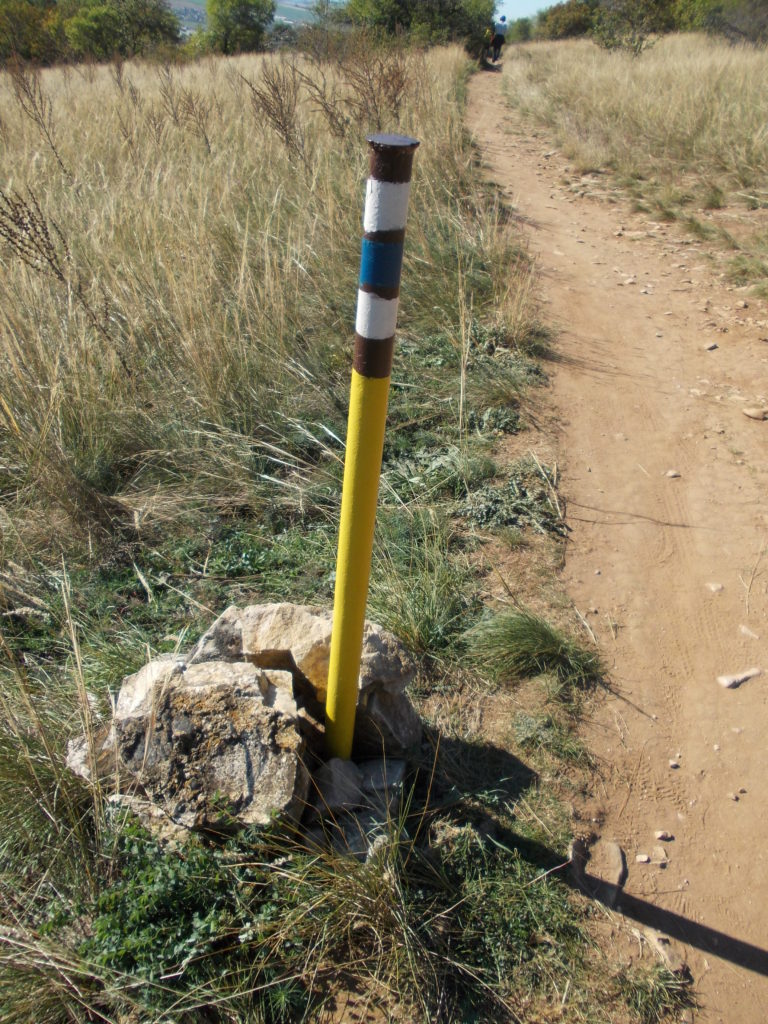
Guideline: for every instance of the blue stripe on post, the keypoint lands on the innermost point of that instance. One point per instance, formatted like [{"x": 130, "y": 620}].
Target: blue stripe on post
[{"x": 381, "y": 264}]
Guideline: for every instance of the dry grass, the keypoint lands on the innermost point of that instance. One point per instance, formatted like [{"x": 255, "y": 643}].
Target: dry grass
[
  {"x": 690, "y": 104},
  {"x": 683, "y": 127},
  {"x": 195, "y": 296}
]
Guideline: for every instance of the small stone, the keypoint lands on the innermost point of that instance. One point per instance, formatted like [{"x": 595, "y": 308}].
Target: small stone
[
  {"x": 734, "y": 797},
  {"x": 663, "y": 836},
  {"x": 715, "y": 587},
  {"x": 660, "y": 857},
  {"x": 716, "y": 747},
  {"x": 598, "y": 572},
  {"x": 711, "y": 347},
  {"x": 617, "y": 864},
  {"x": 746, "y": 631},
  {"x": 756, "y": 413},
  {"x": 742, "y": 790},
  {"x": 382, "y": 785},
  {"x": 672, "y": 474},
  {"x": 338, "y": 787},
  {"x": 734, "y": 681},
  {"x": 666, "y": 952},
  {"x": 673, "y": 763},
  {"x": 642, "y": 858}
]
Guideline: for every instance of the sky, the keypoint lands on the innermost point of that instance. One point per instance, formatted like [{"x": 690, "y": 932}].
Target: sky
[{"x": 522, "y": 8}]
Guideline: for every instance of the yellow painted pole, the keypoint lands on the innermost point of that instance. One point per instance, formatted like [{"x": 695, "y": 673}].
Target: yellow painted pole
[{"x": 384, "y": 218}]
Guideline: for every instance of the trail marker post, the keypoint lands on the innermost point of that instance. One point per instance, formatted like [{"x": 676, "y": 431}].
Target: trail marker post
[{"x": 386, "y": 208}]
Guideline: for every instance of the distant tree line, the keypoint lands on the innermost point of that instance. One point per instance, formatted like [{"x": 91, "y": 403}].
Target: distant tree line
[
  {"x": 47, "y": 31},
  {"x": 628, "y": 24},
  {"x": 428, "y": 21}
]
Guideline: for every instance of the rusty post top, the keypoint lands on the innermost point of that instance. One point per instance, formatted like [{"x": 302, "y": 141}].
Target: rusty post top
[
  {"x": 384, "y": 140},
  {"x": 392, "y": 157}
]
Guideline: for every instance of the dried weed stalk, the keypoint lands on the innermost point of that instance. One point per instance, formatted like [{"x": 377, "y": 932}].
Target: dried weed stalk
[
  {"x": 169, "y": 94},
  {"x": 373, "y": 75},
  {"x": 326, "y": 100},
  {"x": 377, "y": 78},
  {"x": 275, "y": 96},
  {"x": 128, "y": 129},
  {"x": 41, "y": 245},
  {"x": 36, "y": 104},
  {"x": 195, "y": 114},
  {"x": 116, "y": 71},
  {"x": 155, "y": 122}
]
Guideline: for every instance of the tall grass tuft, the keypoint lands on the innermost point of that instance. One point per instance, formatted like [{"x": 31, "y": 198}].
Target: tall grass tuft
[{"x": 517, "y": 644}]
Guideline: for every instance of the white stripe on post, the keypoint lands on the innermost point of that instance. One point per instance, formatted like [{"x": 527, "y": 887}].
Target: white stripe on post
[
  {"x": 386, "y": 205},
  {"x": 376, "y": 317}
]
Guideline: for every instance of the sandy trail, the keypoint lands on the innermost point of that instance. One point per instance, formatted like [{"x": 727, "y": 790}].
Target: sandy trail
[{"x": 670, "y": 571}]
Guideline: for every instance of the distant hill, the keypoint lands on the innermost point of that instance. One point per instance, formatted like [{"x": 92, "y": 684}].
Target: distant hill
[{"x": 192, "y": 14}]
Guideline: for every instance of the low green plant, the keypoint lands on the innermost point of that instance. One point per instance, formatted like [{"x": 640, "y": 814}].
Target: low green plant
[
  {"x": 528, "y": 499},
  {"x": 517, "y": 644}
]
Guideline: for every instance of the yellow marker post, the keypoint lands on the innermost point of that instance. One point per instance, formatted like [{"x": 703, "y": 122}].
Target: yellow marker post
[{"x": 386, "y": 207}]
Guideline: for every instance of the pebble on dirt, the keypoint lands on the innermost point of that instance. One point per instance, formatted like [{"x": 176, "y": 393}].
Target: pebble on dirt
[
  {"x": 756, "y": 414},
  {"x": 733, "y": 681},
  {"x": 664, "y": 836},
  {"x": 642, "y": 858},
  {"x": 673, "y": 763},
  {"x": 672, "y": 474}
]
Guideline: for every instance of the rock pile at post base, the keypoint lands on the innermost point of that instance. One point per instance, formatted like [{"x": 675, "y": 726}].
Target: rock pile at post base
[{"x": 229, "y": 735}]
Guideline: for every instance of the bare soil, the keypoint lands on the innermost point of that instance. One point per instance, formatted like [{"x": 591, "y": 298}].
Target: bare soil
[{"x": 670, "y": 571}]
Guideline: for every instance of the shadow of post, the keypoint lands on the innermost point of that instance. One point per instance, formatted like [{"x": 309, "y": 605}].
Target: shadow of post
[{"x": 461, "y": 770}]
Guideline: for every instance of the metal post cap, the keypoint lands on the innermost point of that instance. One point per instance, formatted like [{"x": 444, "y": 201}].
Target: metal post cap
[{"x": 383, "y": 139}]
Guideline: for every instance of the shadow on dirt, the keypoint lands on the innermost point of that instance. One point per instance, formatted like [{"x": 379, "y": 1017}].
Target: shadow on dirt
[{"x": 463, "y": 777}]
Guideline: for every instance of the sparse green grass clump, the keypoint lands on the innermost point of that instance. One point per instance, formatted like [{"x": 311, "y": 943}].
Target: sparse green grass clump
[
  {"x": 517, "y": 644},
  {"x": 654, "y": 993},
  {"x": 552, "y": 735}
]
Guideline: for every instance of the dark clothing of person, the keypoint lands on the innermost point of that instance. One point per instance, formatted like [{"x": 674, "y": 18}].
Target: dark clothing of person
[{"x": 496, "y": 44}]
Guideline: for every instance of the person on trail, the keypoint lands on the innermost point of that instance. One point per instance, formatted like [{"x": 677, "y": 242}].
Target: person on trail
[{"x": 499, "y": 34}]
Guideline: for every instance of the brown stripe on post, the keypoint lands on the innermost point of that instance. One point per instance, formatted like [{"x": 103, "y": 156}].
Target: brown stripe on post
[
  {"x": 392, "y": 157},
  {"x": 373, "y": 358},
  {"x": 380, "y": 290},
  {"x": 395, "y": 237}
]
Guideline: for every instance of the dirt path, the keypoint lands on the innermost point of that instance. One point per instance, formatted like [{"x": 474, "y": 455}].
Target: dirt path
[{"x": 670, "y": 571}]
